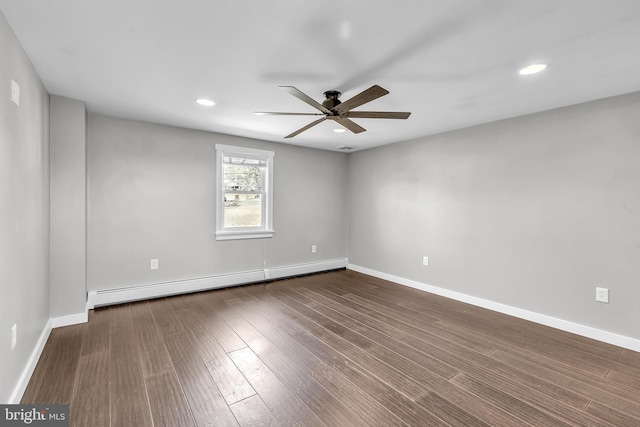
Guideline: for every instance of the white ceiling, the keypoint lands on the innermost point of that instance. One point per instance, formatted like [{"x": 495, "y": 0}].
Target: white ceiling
[{"x": 453, "y": 64}]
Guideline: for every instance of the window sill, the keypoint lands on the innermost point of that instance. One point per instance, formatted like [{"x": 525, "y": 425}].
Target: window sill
[{"x": 236, "y": 235}]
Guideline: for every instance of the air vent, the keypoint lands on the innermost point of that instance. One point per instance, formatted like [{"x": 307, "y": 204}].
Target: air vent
[{"x": 347, "y": 148}]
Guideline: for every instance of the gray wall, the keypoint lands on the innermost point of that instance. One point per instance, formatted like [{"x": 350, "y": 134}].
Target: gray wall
[
  {"x": 533, "y": 212},
  {"x": 24, "y": 210},
  {"x": 151, "y": 194},
  {"x": 68, "y": 174}
]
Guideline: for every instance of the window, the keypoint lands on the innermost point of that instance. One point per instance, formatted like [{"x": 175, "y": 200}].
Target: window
[{"x": 244, "y": 200}]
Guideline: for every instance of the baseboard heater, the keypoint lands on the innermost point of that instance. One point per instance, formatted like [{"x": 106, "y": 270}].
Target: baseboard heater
[{"x": 156, "y": 290}]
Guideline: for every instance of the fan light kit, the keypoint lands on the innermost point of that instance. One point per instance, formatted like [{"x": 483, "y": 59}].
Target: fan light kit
[
  {"x": 205, "y": 102},
  {"x": 334, "y": 109},
  {"x": 533, "y": 69},
  {"x": 339, "y": 130}
]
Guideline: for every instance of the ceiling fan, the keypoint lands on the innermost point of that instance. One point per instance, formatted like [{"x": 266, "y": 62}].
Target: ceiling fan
[{"x": 333, "y": 109}]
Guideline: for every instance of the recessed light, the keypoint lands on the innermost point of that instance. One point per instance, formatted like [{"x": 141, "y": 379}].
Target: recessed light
[
  {"x": 533, "y": 68},
  {"x": 339, "y": 130},
  {"x": 345, "y": 29},
  {"x": 205, "y": 102}
]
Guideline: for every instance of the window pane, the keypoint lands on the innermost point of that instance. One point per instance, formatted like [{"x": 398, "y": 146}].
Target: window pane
[
  {"x": 242, "y": 178},
  {"x": 242, "y": 210}
]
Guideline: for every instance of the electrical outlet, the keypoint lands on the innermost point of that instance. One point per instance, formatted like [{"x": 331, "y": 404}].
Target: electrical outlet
[
  {"x": 15, "y": 92},
  {"x": 314, "y": 249},
  {"x": 154, "y": 264},
  {"x": 425, "y": 261},
  {"x": 602, "y": 295},
  {"x": 14, "y": 336}
]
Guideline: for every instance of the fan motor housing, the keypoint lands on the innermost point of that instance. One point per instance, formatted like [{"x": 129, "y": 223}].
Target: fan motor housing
[{"x": 331, "y": 99}]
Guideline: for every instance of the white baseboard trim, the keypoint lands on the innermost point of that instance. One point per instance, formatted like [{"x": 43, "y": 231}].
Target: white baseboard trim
[
  {"x": 156, "y": 290},
  {"x": 21, "y": 386},
  {"x": 71, "y": 319},
  {"x": 564, "y": 325},
  {"x": 308, "y": 268}
]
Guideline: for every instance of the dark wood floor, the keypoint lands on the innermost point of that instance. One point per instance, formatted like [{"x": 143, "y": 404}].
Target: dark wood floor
[{"x": 332, "y": 349}]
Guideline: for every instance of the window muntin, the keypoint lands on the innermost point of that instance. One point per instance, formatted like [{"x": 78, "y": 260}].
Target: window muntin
[{"x": 245, "y": 198}]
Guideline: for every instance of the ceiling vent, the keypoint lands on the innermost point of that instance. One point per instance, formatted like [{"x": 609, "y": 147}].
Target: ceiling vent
[{"x": 347, "y": 148}]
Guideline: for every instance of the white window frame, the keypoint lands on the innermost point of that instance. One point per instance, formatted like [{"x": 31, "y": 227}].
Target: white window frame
[{"x": 266, "y": 229}]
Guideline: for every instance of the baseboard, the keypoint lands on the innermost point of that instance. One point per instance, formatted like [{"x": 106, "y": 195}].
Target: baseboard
[
  {"x": 71, "y": 319},
  {"x": 21, "y": 386},
  {"x": 156, "y": 290},
  {"x": 564, "y": 325},
  {"x": 313, "y": 267}
]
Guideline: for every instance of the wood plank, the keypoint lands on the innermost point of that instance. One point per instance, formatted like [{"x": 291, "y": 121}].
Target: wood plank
[
  {"x": 154, "y": 358},
  {"x": 390, "y": 372},
  {"x": 626, "y": 377},
  {"x": 463, "y": 358},
  {"x": 339, "y": 348},
  {"x": 207, "y": 404},
  {"x": 166, "y": 316},
  {"x": 593, "y": 388},
  {"x": 54, "y": 382},
  {"x": 478, "y": 408},
  {"x": 326, "y": 406},
  {"x": 403, "y": 322},
  {"x": 253, "y": 412},
  {"x": 226, "y": 375},
  {"x": 168, "y": 405},
  {"x": 616, "y": 418},
  {"x": 578, "y": 351},
  {"x": 128, "y": 401},
  {"x": 368, "y": 343},
  {"x": 285, "y": 405},
  {"x": 421, "y": 359},
  {"x": 452, "y": 414},
  {"x": 385, "y": 393},
  {"x": 552, "y": 363},
  {"x": 493, "y": 414},
  {"x": 354, "y": 369},
  {"x": 88, "y": 406},
  {"x": 547, "y": 403},
  {"x": 226, "y": 336},
  {"x": 526, "y": 413},
  {"x": 631, "y": 357},
  {"x": 96, "y": 338},
  {"x": 38, "y": 377},
  {"x": 322, "y": 395},
  {"x": 228, "y": 378}
]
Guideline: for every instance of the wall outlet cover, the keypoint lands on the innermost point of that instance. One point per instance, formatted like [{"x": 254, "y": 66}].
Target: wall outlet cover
[
  {"x": 602, "y": 295},
  {"x": 15, "y": 92},
  {"x": 14, "y": 336}
]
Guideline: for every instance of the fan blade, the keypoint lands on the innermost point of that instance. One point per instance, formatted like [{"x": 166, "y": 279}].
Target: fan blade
[
  {"x": 303, "y": 97},
  {"x": 368, "y": 95},
  {"x": 377, "y": 114},
  {"x": 271, "y": 113},
  {"x": 352, "y": 126},
  {"x": 310, "y": 125}
]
